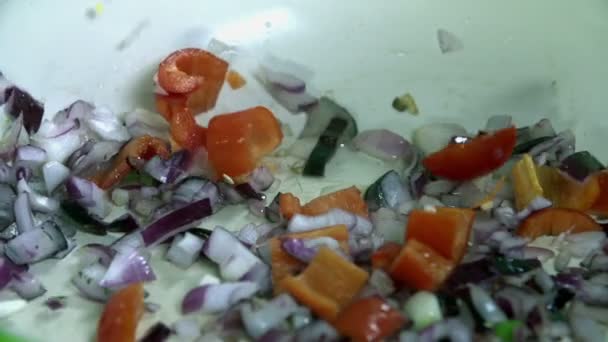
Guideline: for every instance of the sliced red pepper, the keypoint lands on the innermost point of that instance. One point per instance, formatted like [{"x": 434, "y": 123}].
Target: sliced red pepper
[
  {"x": 186, "y": 132},
  {"x": 118, "y": 322},
  {"x": 420, "y": 267},
  {"x": 554, "y": 221},
  {"x": 193, "y": 78},
  {"x": 236, "y": 142},
  {"x": 446, "y": 230},
  {"x": 348, "y": 199},
  {"x": 475, "y": 158},
  {"x": 369, "y": 319},
  {"x": 144, "y": 147},
  {"x": 384, "y": 256}
]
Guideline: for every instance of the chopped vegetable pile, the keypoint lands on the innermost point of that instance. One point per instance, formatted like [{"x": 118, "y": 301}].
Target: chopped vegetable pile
[{"x": 438, "y": 248}]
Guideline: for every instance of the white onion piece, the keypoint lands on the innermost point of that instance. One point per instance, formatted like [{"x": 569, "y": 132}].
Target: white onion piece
[
  {"x": 27, "y": 286},
  {"x": 10, "y": 137},
  {"x": 389, "y": 224},
  {"x": 233, "y": 258},
  {"x": 107, "y": 125},
  {"x": 423, "y": 309},
  {"x": 23, "y": 213},
  {"x": 89, "y": 195},
  {"x": 270, "y": 315},
  {"x": 87, "y": 281},
  {"x": 36, "y": 244},
  {"x": 54, "y": 174},
  {"x": 217, "y": 298},
  {"x": 38, "y": 202},
  {"x": 448, "y": 42},
  {"x": 61, "y": 147},
  {"x": 355, "y": 224},
  {"x": 433, "y": 137},
  {"x": 126, "y": 268},
  {"x": 485, "y": 305},
  {"x": 382, "y": 282},
  {"x": 185, "y": 250},
  {"x": 30, "y": 156},
  {"x": 383, "y": 144}
]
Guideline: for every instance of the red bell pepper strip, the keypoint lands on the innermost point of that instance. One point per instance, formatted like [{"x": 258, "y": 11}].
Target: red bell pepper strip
[
  {"x": 384, "y": 256},
  {"x": 348, "y": 199},
  {"x": 237, "y": 141},
  {"x": 186, "y": 132},
  {"x": 369, "y": 319},
  {"x": 144, "y": 147},
  {"x": 554, "y": 221},
  {"x": 118, "y": 322},
  {"x": 446, "y": 230},
  {"x": 475, "y": 158},
  {"x": 420, "y": 267},
  {"x": 193, "y": 79}
]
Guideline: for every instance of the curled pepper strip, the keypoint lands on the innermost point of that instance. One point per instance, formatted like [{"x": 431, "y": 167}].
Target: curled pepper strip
[{"x": 141, "y": 148}]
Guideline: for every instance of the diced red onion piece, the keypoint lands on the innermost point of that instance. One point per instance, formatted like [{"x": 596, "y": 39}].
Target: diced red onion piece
[
  {"x": 128, "y": 268},
  {"x": 107, "y": 125},
  {"x": 23, "y": 213},
  {"x": 97, "y": 253},
  {"x": 185, "y": 250},
  {"x": 168, "y": 171},
  {"x": 38, "y": 202},
  {"x": 36, "y": 244},
  {"x": 7, "y": 270},
  {"x": 87, "y": 282},
  {"x": 175, "y": 222},
  {"x": 88, "y": 195},
  {"x": 270, "y": 315},
  {"x": 355, "y": 224},
  {"x": 196, "y": 189},
  {"x": 285, "y": 81},
  {"x": 485, "y": 305},
  {"x": 259, "y": 274},
  {"x": 256, "y": 207},
  {"x": 233, "y": 258},
  {"x": 27, "y": 286},
  {"x": 317, "y": 331},
  {"x": 389, "y": 224},
  {"x": 59, "y": 148},
  {"x": 21, "y": 103},
  {"x": 293, "y": 102},
  {"x": 218, "y": 297},
  {"x": 32, "y": 155},
  {"x": 381, "y": 282},
  {"x": 249, "y": 234},
  {"x": 93, "y": 157},
  {"x": 54, "y": 174},
  {"x": 383, "y": 144}
]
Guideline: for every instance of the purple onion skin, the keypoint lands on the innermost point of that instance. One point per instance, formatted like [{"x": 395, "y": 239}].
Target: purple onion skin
[
  {"x": 193, "y": 301},
  {"x": 21, "y": 102}
]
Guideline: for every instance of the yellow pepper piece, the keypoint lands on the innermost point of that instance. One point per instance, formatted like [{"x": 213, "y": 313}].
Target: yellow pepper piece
[
  {"x": 526, "y": 184},
  {"x": 566, "y": 192}
]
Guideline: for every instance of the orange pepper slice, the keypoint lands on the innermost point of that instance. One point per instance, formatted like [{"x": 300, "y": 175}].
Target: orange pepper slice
[
  {"x": 118, "y": 322},
  {"x": 566, "y": 192},
  {"x": 284, "y": 265},
  {"x": 235, "y": 80},
  {"x": 554, "y": 221},
  {"x": 348, "y": 199},
  {"x": 327, "y": 285},
  {"x": 369, "y": 319},
  {"x": 420, "y": 267}
]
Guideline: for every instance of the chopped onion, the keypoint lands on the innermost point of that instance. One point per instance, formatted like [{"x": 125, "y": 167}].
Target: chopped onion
[
  {"x": 389, "y": 224},
  {"x": 126, "y": 268},
  {"x": 381, "y": 282},
  {"x": 30, "y": 156},
  {"x": 542, "y": 254},
  {"x": 185, "y": 250},
  {"x": 384, "y": 144},
  {"x": 217, "y": 298},
  {"x": 24, "y": 216},
  {"x": 59, "y": 148},
  {"x": 452, "y": 329},
  {"x": 261, "y": 178},
  {"x": 87, "y": 282},
  {"x": 54, "y": 174},
  {"x": 27, "y": 286},
  {"x": 233, "y": 258},
  {"x": 259, "y": 321},
  {"x": 21, "y": 103},
  {"x": 423, "y": 309},
  {"x": 485, "y": 306},
  {"x": 355, "y": 224},
  {"x": 196, "y": 189},
  {"x": 93, "y": 157},
  {"x": 37, "y": 201},
  {"x": 89, "y": 196},
  {"x": 306, "y": 249},
  {"x": 107, "y": 125},
  {"x": 175, "y": 222},
  {"x": 168, "y": 171},
  {"x": 317, "y": 331},
  {"x": 36, "y": 244}
]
